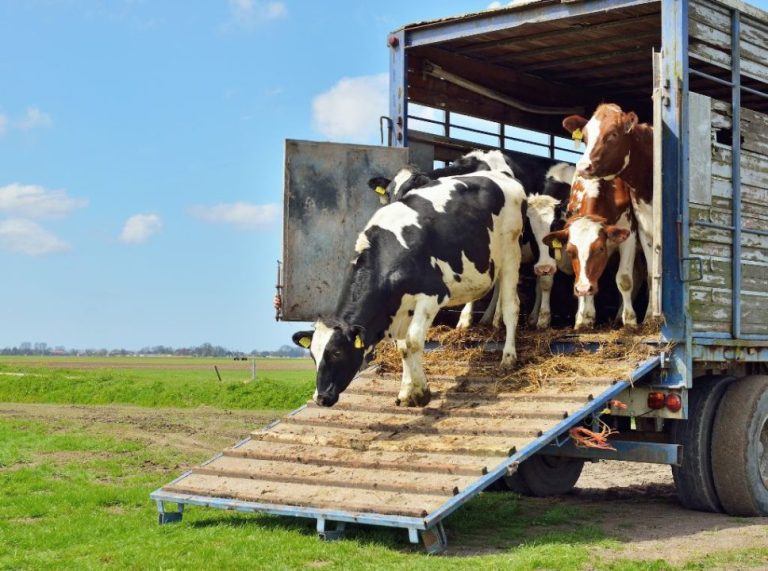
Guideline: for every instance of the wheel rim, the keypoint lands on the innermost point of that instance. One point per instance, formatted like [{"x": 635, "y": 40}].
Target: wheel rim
[{"x": 762, "y": 453}]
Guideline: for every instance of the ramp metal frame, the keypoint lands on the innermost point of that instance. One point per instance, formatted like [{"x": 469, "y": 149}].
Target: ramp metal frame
[{"x": 430, "y": 528}]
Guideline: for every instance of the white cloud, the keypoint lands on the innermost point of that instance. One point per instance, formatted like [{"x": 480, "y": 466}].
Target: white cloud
[
  {"x": 34, "y": 201},
  {"x": 26, "y": 237},
  {"x": 242, "y": 215},
  {"x": 3, "y": 124},
  {"x": 351, "y": 109},
  {"x": 34, "y": 119},
  {"x": 247, "y": 13},
  {"x": 140, "y": 227}
]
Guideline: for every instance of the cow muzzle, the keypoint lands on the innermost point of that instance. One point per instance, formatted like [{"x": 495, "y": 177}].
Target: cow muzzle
[
  {"x": 326, "y": 400},
  {"x": 544, "y": 270},
  {"x": 583, "y": 290}
]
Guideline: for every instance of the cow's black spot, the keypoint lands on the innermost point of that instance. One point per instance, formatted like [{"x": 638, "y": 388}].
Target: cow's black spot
[
  {"x": 457, "y": 278},
  {"x": 410, "y": 313}
]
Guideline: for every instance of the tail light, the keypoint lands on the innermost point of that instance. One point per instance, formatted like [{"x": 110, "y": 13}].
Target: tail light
[
  {"x": 673, "y": 402},
  {"x": 656, "y": 400}
]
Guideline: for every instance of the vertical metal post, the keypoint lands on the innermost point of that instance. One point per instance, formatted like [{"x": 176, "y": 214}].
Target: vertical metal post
[
  {"x": 447, "y": 124},
  {"x": 674, "y": 20},
  {"x": 502, "y": 137},
  {"x": 551, "y": 146},
  {"x": 674, "y": 115},
  {"x": 736, "y": 170},
  {"x": 655, "y": 265},
  {"x": 398, "y": 97}
]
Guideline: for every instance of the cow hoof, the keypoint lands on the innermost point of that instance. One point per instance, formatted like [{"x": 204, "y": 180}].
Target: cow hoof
[
  {"x": 416, "y": 400},
  {"x": 508, "y": 360},
  {"x": 544, "y": 323}
]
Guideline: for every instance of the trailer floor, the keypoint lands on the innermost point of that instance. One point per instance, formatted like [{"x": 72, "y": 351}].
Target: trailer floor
[{"x": 367, "y": 460}]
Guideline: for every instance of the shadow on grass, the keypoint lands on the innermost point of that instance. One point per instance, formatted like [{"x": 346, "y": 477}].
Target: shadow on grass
[{"x": 491, "y": 523}]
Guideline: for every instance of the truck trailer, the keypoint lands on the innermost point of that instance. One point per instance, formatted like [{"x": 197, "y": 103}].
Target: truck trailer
[{"x": 505, "y": 79}]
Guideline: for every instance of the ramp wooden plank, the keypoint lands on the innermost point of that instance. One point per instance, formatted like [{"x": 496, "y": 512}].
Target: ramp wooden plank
[
  {"x": 371, "y": 479},
  {"x": 357, "y": 439},
  {"x": 582, "y": 395},
  {"x": 302, "y": 495},
  {"x": 453, "y": 404},
  {"x": 453, "y": 424},
  {"x": 380, "y": 460}
]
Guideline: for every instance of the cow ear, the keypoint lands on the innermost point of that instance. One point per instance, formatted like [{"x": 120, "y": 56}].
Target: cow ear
[
  {"x": 379, "y": 184},
  {"x": 630, "y": 120},
  {"x": 355, "y": 334},
  {"x": 560, "y": 236},
  {"x": 574, "y": 122},
  {"x": 616, "y": 234},
  {"x": 303, "y": 338}
]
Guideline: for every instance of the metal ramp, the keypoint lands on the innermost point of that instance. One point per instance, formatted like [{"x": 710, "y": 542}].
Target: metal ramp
[{"x": 368, "y": 461}]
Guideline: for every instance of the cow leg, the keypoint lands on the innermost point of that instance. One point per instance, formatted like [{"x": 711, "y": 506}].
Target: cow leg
[
  {"x": 489, "y": 317},
  {"x": 624, "y": 280},
  {"x": 646, "y": 243},
  {"x": 509, "y": 300},
  {"x": 545, "y": 310},
  {"x": 465, "y": 319},
  {"x": 413, "y": 389},
  {"x": 585, "y": 315},
  {"x": 534, "y": 317}
]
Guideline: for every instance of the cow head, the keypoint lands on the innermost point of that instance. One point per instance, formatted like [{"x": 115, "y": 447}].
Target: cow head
[
  {"x": 542, "y": 213},
  {"x": 338, "y": 354},
  {"x": 588, "y": 241},
  {"x": 607, "y": 135},
  {"x": 479, "y": 160},
  {"x": 395, "y": 189}
]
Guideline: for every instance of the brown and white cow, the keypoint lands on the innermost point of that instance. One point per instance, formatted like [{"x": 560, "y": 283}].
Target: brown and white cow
[
  {"x": 601, "y": 222},
  {"x": 618, "y": 145}
]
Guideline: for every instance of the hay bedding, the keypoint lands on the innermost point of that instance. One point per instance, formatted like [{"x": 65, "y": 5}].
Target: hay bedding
[{"x": 463, "y": 353}]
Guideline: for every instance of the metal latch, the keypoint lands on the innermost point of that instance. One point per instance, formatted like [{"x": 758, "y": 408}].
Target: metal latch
[{"x": 685, "y": 276}]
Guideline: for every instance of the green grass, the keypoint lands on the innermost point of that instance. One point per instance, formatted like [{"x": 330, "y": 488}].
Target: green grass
[
  {"x": 273, "y": 388},
  {"x": 78, "y": 500}
]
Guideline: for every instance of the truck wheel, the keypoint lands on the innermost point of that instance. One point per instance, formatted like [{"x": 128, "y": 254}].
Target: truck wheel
[
  {"x": 545, "y": 476},
  {"x": 740, "y": 447},
  {"x": 695, "y": 486}
]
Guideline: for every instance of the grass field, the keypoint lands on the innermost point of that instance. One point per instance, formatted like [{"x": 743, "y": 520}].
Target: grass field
[
  {"x": 75, "y": 481},
  {"x": 280, "y": 384}
]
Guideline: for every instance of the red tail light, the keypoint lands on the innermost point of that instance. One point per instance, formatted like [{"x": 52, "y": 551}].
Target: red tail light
[
  {"x": 656, "y": 400},
  {"x": 673, "y": 402}
]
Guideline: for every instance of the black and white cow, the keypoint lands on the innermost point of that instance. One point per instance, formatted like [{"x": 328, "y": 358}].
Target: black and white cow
[
  {"x": 444, "y": 244},
  {"x": 540, "y": 177},
  {"x": 547, "y": 212}
]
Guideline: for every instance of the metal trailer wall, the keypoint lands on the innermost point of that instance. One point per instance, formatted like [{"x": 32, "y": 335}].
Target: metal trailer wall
[{"x": 728, "y": 198}]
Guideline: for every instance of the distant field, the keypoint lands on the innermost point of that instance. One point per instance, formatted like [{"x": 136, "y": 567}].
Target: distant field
[
  {"x": 148, "y": 362},
  {"x": 280, "y": 384}
]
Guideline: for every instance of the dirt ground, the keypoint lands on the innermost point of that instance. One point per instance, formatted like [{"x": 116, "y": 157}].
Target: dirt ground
[{"x": 636, "y": 503}]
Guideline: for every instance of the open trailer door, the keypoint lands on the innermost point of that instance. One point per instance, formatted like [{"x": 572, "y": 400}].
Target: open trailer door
[{"x": 327, "y": 203}]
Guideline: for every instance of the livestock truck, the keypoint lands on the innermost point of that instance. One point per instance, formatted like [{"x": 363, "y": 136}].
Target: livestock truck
[{"x": 505, "y": 78}]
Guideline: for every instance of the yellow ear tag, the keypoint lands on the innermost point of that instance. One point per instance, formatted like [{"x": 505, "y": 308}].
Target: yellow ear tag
[
  {"x": 578, "y": 138},
  {"x": 305, "y": 342},
  {"x": 558, "y": 246},
  {"x": 380, "y": 190},
  {"x": 358, "y": 341}
]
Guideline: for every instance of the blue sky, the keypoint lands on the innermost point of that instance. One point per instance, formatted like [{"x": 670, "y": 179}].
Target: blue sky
[{"x": 141, "y": 151}]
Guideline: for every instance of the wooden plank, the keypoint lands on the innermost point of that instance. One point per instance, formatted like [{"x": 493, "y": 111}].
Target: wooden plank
[
  {"x": 379, "y": 460},
  {"x": 302, "y": 495},
  {"x": 492, "y": 407},
  {"x": 721, "y": 39},
  {"x": 440, "y": 407},
  {"x": 722, "y": 59},
  {"x": 357, "y": 439},
  {"x": 334, "y": 476},
  {"x": 426, "y": 425},
  {"x": 718, "y": 274},
  {"x": 711, "y": 309},
  {"x": 710, "y": 14}
]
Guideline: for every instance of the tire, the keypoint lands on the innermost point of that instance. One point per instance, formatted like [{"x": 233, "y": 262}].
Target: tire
[
  {"x": 542, "y": 476},
  {"x": 740, "y": 447},
  {"x": 515, "y": 483},
  {"x": 694, "y": 482}
]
